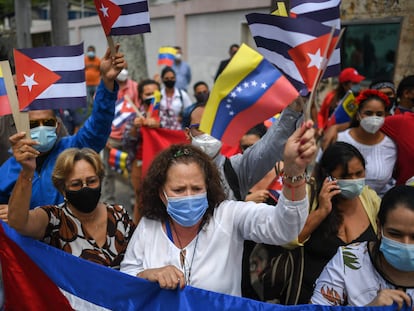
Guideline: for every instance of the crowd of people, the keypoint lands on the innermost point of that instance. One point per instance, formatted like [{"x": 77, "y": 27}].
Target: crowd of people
[{"x": 225, "y": 222}]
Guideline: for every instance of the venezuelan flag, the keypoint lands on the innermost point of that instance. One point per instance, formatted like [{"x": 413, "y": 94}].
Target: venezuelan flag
[
  {"x": 344, "y": 111},
  {"x": 250, "y": 90},
  {"x": 166, "y": 55},
  {"x": 4, "y": 100}
]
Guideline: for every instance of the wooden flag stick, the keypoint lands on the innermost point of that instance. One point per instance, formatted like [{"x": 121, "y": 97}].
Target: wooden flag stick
[
  {"x": 111, "y": 45},
  {"x": 21, "y": 119}
]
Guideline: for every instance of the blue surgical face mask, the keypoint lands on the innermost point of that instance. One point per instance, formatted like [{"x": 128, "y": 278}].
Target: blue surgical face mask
[
  {"x": 91, "y": 54},
  {"x": 399, "y": 255},
  {"x": 351, "y": 188},
  {"x": 45, "y": 136},
  {"x": 187, "y": 210}
]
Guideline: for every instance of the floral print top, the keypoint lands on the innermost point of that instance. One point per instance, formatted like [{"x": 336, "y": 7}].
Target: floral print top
[
  {"x": 65, "y": 232},
  {"x": 350, "y": 278}
]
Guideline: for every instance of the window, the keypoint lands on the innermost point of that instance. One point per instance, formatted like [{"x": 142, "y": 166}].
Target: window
[{"x": 371, "y": 47}]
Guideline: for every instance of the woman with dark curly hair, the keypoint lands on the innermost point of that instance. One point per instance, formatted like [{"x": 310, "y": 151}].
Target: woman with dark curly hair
[
  {"x": 379, "y": 151},
  {"x": 190, "y": 234}
]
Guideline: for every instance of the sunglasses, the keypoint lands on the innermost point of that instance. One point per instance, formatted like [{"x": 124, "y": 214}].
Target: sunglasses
[{"x": 43, "y": 122}]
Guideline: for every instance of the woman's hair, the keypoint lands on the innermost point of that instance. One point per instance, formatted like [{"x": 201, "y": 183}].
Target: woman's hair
[
  {"x": 393, "y": 198},
  {"x": 66, "y": 161},
  {"x": 152, "y": 205},
  {"x": 363, "y": 98},
  {"x": 165, "y": 70},
  {"x": 339, "y": 154}
]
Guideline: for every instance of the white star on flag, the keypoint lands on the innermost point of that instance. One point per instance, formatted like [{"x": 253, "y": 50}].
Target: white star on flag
[
  {"x": 263, "y": 85},
  {"x": 104, "y": 10},
  {"x": 29, "y": 81},
  {"x": 315, "y": 59}
]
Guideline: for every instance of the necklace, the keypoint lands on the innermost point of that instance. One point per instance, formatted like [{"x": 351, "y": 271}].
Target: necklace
[{"x": 183, "y": 252}]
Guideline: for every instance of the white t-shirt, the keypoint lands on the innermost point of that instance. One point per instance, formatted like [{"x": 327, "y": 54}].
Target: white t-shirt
[
  {"x": 380, "y": 161},
  {"x": 350, "y": 278},
  {"x": 215, "y": 259}
]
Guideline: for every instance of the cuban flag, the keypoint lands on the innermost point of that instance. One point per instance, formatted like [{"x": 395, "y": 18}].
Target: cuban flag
[
  {"x": 324, "y": 11},
  {"x": 249, "y": 91},
  {"x": 299, "y": 47},
  {"x": 51, "y": 77},
  {"x": 37, "y": 276},
  {"x": 124, "y": 110},
  {"x": 123, "y": 17}
]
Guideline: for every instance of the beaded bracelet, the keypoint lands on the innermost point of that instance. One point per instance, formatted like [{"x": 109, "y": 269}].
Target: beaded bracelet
[{"x": 294, "y": 179}]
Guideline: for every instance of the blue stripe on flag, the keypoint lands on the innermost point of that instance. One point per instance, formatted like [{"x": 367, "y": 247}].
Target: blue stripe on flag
[
  {"x": 232, "y": 105},
  {"x": 71, "y": 76},
  {"x": 54, "y": 51},
  {"x": 133, "y": 8},
  {"x": 2, "y": 87},
  {"x": 64, "y": 103},
  {"x": 130, "y": 30}
]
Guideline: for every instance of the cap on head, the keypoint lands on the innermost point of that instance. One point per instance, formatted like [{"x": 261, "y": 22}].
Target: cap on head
[{"x": 350, "y": 75}]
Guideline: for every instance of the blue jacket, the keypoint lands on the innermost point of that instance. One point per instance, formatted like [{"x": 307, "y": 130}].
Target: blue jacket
[{"x": 93, "y": 134}]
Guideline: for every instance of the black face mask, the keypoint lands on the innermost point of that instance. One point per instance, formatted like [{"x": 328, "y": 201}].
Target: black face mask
[
  {"x": 169, "y": 84},
  {"x": 202, "y": 97},
  {"x": 148, "y": 101},
  {"x": 84, "y": 200}
]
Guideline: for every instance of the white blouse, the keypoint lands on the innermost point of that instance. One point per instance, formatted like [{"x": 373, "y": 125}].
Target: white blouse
[
  {"x": 380, "y": 161},
  {"x": 215, "y": 259}
]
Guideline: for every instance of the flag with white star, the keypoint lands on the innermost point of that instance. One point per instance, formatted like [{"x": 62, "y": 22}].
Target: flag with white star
[
  {"x": 51, "y": 77},
  {"x": 123, "y": 17},
  {"x": 250, "y": 90},
  {"x": 277, "y": 37}
]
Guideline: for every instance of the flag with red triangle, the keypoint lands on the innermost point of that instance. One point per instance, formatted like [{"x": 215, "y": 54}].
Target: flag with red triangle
[
  {"x": 50, "y": 77},
  {"x": 123, "y": 17}
]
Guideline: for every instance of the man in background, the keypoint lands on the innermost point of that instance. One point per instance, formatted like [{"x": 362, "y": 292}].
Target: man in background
[{"x": 182, "y": 70}]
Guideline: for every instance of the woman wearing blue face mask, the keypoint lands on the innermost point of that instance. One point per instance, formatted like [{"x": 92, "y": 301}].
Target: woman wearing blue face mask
[
  {"x": 379, "y": 151},
  {"x": 377, "y": 273},
  {"x": 343, "y": 211},
  {"x": 190, "y": 234}
]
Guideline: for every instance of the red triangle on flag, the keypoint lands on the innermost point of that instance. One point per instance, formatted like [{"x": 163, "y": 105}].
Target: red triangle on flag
[
  {"x": 108, "y": 14},
  {"x": 127, "y": 107},
  {"x": 32, "y": 78},
  {"x": 309, "y": 57}
]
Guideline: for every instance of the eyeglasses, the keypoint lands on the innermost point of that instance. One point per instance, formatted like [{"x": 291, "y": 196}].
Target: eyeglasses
[
  {"x": 44, "y": 122},
  {"x": 78, "y": 184}
]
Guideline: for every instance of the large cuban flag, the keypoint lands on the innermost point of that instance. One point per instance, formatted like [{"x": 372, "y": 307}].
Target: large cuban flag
[{"x": 39, "y": 277}]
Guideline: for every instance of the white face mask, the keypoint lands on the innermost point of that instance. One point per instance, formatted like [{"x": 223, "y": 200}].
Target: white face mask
[
  {"x": 210, "y": 145},
  {"x": 123, "y": 75},
  {"x": 372, "y": 124}
]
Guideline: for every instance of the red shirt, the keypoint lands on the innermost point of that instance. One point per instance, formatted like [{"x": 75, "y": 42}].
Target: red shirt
[{"x": 400, "y": 128}]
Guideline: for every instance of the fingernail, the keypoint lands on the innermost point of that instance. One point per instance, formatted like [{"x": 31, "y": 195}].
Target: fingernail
[{"x": 302, "y": 141}]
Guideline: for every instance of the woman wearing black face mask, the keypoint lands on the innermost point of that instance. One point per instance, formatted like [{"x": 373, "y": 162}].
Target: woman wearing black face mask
[
  {"x": 173, "y": 101},
  {"x": 81, "y": 225}
]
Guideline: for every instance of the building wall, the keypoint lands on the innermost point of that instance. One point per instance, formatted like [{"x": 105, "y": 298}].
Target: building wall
[{"x": 205, "y": 30}]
